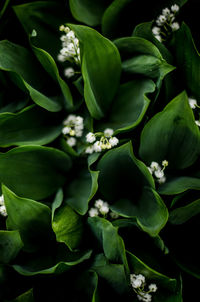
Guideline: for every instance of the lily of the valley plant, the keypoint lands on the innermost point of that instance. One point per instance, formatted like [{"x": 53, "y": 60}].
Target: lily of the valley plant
[{"x": 99, "y": 150}]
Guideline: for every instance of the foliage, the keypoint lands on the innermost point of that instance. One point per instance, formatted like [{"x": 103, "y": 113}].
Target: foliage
[{"x": 79, "y": 222}]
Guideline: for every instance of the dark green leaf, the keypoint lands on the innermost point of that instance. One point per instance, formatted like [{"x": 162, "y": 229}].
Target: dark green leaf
[
  {"x": 182, "y": 214},
  {"x": 20, "y": 61},
  {"x": 172, "y": 135},
  {"x": 32, "y": 125},
  {"x": 188, "y": 59},
  {"x": 32, "y": 219},
  {"x": 127, "y": 184},
  {"x": 40, "y": 266},
  {"x": 114, "y": 274},
  {"x": 107, "y": 235},
  {"x": 86, "y": 182},
  {"x": 101, "y": 69},
  {"x": 129, "y": 106},
  {"x": 169, "y": 289},
  {"x": 144, "y": 30},
  {"x": 34, "y": 171},
  {"x": 88, "y": 11},
  {"x": 10, "y": 245},
  {"x": 111, "y": 16},
  {"x": 68, "y": 227},
  {"x": 179, "y": 185}
]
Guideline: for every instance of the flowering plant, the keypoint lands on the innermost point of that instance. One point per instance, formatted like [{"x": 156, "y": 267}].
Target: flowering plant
[{"x": 100, "y": 145}]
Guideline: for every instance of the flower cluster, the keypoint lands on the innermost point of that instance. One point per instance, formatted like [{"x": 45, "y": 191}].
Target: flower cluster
[
  {"x": 70, "y": 50},
  {"x": 138, "y": 284},
  {"x": 158, "y": 171},
  {"x": 165, "y": 24},
  {"x": 73, "y": 127},
  {"x": 193, "y": 104},
  {"x": 106, "y": 141},
  {"x": 3, "y": 211},
  {"x": 101, "y": 208}
]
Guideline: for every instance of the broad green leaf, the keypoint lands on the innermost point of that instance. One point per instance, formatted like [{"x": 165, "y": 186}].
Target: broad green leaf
[
  {"x": 151, "y": 213},
  {"x": 144, "y": 30},
  {"x": 18, "y": 60},
  {"x": 179, "y": 185},
  {"x": 68, "y": 227},
  {"x": 188, "y": 59},
  {"x": 168, "y": 288},
  {"x": 101, "y": 69},
  {"x": 122, "y": 176},
  {"x": 131, "y": 46},
  {"x": 87, "y": 183},
  {"x": 172, "y": 135},
  {"x": 107, "y": 235},
  {"x": 129, "y": 106},
  {"x": 88, "y": 11},
  {"x": 126, "y": 183},
  {"x": 114, "y": 274},
  {"x": 43, "y": 265},
  {"x": 33, "y": 125},
  {"x": 25, "y": 297},
  {"x": 140, "y": 56},
  {"x": 34, "y": 171},
  {"x": 10, "y": 245},
  {"x": 111, "y": 16},
  {"x": 147, "y": 65},
  {"x": 32, "y": 219},
  {"x": 45, "y": 18},
  {"x": 182, "y": 214}
]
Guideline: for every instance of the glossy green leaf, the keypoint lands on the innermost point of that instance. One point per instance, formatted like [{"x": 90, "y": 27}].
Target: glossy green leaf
[
  {"x": 32, "y": 219},
  {"x": 19, "y": 60},
  {"x": 129, "y": 106},
  {"x": 25, "y": 297},
  {"x": 179, "y": 185},
  {"x": 45, "y": 18},
  {"x": 43, "y": 266},
  {"x": 126, "y": 183},
  {"x": 107, "y": 235},
  {"x": 88, "y": 11},
  {"x": 87, "y": 183},
  {"x": 168, "y": 288},
  {"x": 101, "y": 69},
  {"x": 33, "y": 125},
  {"x": 114, "y": 274},
  {"x": 57, "y": 202},
  {"x": 188, "y": 59},
  {"x": 140, "y": 56},
  {"x": 144, "y": 30},
  {"x": 34, "y": 171},
  {"x": 151, "y": 213},
  {"x": 182, "y": 214},
  {"x": 172, "y": 135},
  {"x": 10, "y": 245},
  {"x": 68, "y": 227}
]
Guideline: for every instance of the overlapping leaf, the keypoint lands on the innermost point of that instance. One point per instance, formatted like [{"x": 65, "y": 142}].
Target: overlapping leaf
[
  {"x": 172, "y": 135},
  {"x": 45, "y": 18},
  {"x": 32, "y": 125},
  {"x": 127, "y": 184},
  {"x": 34, "y": 171},
  {"x": 101, "y": 69}
]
